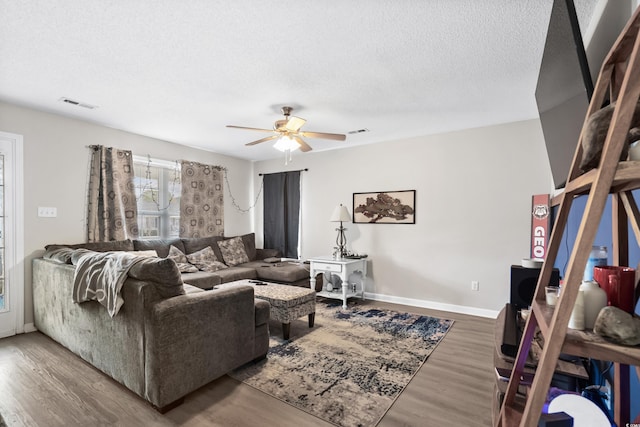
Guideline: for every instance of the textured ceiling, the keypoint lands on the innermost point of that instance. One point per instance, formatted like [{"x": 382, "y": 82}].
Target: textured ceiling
[{"x": 182, "y": 70}]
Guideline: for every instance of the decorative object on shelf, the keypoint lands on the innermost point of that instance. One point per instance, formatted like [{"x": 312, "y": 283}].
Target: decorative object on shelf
[
  {"x": 597, "y": 256},
  {"x": 540, "y": 226},
  {"x": 619, "y": 284},
  {"x": 576, "y": 321},
  {"x": 595, "y": 132},
  {"x": 618, "y": 326},
  {"x": 389, "y": 207},
  {"x": 552, "y": 293},
  {"x": 595, "y": 299},
  {"x": 341, "y": 214},
  {"x": 583, "y": 412}
]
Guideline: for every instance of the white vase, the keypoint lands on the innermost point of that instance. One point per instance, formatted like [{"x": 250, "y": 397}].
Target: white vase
[
  {"x": 576, "y": 321},
  {"x": 595, "y": 299}
]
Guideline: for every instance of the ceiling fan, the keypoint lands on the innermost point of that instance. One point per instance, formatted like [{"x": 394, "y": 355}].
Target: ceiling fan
[{"x": 288, "y": 133}]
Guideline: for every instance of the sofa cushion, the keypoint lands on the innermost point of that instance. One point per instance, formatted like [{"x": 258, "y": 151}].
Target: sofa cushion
[
  {"x": 288, "y": 273},
  {"x": 116, "y": 245},
  {"x": 236, "y": 273},
  {"x": 206, "y": 260},
  {"x": 268, "y": 253},
  {"x": 195, "y": 244},
  {"x": 202, "y": 279},
  {"x": 181, "y": 260},
  {"x": 249, "y": 241},
  {"x": 161, "y": 246},
  {"x": 162, "y": 272},
  {"x": 188, "y": 289},
  {"x": 233, "y": 251}
]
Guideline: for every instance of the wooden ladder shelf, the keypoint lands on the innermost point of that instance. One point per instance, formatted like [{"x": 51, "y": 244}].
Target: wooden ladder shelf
[{"x": 620, "y": 77}]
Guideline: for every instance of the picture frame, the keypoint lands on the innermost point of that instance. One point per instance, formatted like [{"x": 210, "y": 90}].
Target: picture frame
[{"x": 385, "y": 207}]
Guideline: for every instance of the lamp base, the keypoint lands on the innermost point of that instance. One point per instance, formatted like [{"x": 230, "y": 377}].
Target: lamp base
[{"x": 341, "y": 241}]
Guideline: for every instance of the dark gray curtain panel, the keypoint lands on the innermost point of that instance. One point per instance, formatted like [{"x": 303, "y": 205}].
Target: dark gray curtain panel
[
  {"x": 112, "y": 212},
  {"x": 282, "y": 212}
]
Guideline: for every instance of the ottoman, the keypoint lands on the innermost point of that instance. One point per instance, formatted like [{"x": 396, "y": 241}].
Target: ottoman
[{"x": 287, "y": 302}]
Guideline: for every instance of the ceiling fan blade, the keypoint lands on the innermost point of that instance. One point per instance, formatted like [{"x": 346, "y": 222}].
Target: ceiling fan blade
[
  {"x": 323, "y": 135},
  {"x": 244, "y": 127},
  {"x": 304, "y": 147},
  {"x": 294, "y": 124},
  {"x": 263, "y": 140}
]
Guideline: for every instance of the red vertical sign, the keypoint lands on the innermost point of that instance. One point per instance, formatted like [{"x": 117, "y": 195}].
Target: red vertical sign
[{"x": 540, "y": 225}]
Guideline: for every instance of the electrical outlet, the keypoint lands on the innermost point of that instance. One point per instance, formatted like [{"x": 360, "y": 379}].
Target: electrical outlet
[
  {"x": 47, "y": 212},
  {"x": 475, "y": 285}
]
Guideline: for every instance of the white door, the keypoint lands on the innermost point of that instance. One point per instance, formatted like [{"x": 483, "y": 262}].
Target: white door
[{"x": 11, "y": 236}]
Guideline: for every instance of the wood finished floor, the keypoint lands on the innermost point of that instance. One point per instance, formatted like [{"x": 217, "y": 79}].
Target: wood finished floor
[{"x": 43, "y": 384}]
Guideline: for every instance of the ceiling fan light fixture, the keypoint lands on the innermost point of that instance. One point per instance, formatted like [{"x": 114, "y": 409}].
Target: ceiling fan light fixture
[{"x": 286, "y": 143}]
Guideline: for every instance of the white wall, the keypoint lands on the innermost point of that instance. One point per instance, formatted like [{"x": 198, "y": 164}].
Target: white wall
[
  {"x": 473, "y": 204},
  {"x": 56, "y": 169}
]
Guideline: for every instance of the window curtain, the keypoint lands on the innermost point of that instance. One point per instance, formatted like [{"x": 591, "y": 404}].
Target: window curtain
[
  {"x": 282, "y": 212},
  {"x": 112, "y": 212},
  {"x": 202, "y": 201}
]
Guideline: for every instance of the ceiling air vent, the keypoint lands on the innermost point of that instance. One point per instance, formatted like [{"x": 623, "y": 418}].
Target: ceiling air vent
[
  {"x": 358, "y": 131},
  {"x": 78, "y": 103}
]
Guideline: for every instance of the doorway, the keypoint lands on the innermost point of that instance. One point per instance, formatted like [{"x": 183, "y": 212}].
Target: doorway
[{"x": 11, "y": 235}]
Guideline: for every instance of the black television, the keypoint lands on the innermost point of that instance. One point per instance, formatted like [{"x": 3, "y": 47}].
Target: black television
[{"x": 564, "y": 88}]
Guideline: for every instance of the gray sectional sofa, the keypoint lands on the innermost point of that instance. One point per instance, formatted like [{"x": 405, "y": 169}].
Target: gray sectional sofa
[{"x": 172, "y": 334}]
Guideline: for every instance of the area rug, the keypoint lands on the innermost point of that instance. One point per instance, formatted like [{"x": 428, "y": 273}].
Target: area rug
[{"x": 351, "y": 366}]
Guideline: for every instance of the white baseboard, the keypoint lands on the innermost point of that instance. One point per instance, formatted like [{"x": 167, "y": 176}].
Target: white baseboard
[
  {"x": 474, "y": 311},
  {"x": 29, "y": 327}
]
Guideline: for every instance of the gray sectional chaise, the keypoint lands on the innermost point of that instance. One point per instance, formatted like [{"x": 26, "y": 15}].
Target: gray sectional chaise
[{"x": 171, "y": 336}]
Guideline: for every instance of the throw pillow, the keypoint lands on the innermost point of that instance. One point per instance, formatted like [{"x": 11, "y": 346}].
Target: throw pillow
[
  {"x": 163, "y": 272},
  {"x": 205, "y": 259},
  {"x": 233, "y": 251},
  {"x": 181, "y": 260}
]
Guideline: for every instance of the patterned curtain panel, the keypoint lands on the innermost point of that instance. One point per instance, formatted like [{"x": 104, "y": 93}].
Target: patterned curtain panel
[
  {"x": 112, "y": 212},
  {"x": 202, "y": 201}
]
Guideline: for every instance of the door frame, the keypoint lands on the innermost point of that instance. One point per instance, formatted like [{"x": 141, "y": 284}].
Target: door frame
[{"x": 14, "y": 234}]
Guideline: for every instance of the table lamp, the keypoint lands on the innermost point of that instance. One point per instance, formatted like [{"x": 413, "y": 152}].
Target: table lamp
[{"x": 341, "y": 214}]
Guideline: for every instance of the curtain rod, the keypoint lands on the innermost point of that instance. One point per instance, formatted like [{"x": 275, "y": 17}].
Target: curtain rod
[{"x": 299, "y": 170}]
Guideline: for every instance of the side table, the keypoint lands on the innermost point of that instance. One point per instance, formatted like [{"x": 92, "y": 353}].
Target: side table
[{"x": 343, "y": 267}]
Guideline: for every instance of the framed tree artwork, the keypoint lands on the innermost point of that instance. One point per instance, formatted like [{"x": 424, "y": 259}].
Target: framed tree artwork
[{"x": 385, "y": 207}]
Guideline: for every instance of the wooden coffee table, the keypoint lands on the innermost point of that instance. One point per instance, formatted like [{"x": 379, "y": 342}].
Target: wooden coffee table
[{"x": 287, "y": 302}]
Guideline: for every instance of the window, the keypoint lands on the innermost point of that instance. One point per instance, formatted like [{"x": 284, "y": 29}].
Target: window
[{"x": 158, "y": 191}]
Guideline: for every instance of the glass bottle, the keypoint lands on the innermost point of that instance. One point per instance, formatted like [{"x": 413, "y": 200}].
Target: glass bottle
[{"x": 598, "y": 256}]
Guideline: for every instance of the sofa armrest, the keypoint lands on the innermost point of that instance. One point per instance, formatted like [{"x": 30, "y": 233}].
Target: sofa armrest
[
  {"x": 193, "y": 339},
  {"x": 268, "y": 253}
]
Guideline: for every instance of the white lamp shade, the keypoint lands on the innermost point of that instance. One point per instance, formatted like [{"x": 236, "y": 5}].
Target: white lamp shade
[
  {"x": 285, "y": 143},
  {"x": 340, "y": 214}
]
